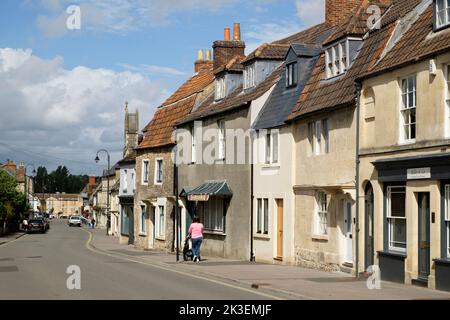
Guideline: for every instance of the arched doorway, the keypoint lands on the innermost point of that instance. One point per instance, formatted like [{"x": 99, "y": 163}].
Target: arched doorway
[{"x": 369, "y": 227}]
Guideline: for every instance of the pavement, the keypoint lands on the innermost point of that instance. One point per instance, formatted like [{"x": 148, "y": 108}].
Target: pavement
[
  {"x": 284, "y": 282},
  {"x": 10, "y": 237}
]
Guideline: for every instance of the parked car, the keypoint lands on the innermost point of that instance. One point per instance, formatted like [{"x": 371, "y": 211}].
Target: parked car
[
  {"x": 63, "y": 217},
  {"x": 37, "y": 225},
  {"x": 74, "y": 221}
]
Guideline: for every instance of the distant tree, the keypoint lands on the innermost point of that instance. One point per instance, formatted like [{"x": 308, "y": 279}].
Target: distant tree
[
  {"x": 13, "y": 204},
  {"x": 40, "y": 181},
  {"x": 59, "y": 180}
]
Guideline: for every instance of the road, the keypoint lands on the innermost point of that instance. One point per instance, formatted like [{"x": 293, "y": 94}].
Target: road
[{"x": 34, "y": 267}]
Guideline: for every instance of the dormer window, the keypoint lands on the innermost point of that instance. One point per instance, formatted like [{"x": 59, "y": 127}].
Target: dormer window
[
  {"x": 249, "y": 76},
  {"x": 442, "y": 15},
  {"x": 291, "y": 74},
  {"x": 336, "y": 58},
  {"x": 220, "y": 88}
]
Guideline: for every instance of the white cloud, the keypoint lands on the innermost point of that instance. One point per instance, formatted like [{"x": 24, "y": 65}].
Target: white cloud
[
  {"x": 46, "y": 108},
  {"x": 310, "y": 12},
  {"x": 119, "y": 16}
]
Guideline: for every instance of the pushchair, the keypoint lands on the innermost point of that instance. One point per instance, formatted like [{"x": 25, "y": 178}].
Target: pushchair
[{"x": 187, "y": 250}]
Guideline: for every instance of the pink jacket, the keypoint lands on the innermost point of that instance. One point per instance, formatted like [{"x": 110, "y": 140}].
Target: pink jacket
[{"x": 196, "y": 230}]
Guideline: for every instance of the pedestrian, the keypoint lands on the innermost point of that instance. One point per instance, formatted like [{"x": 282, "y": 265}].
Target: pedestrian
[
  {"x": 93, "y": 223},
  {"x": 25, "y": 224},
  {"x": 196, "y": 234}
]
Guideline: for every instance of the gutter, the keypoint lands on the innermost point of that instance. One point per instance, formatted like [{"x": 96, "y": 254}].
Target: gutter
[{"x": 357, "y": 178}]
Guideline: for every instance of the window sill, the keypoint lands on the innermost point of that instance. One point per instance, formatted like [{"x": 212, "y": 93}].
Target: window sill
[
  {"x": 160, "y": 238},
  {"x": 322, "y": 237},
  {"x": 442, "y": 260},
  {"x": 158, "y": 184},
  {"x": 260, "y": 236},
  {"x": 393, "y": 253},
  {"x": 407, "y": 142},
  {"x": 271, "y": 166},
  {"x": 216, "y": 233},
  {"x": 141, "y": 234}
]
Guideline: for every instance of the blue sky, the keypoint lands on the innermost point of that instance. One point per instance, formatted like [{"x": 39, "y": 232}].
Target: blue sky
[{"x": 71, "y": 85}]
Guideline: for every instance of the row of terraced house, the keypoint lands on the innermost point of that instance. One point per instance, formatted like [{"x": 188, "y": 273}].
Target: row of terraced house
[{"x": 327, "y": 149}]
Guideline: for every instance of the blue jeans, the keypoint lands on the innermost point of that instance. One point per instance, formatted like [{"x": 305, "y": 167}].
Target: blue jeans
[{"x": 196, "y": 243}]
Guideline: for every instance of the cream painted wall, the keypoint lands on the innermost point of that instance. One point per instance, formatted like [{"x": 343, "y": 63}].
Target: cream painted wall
[{"x": 275, "y": 182}]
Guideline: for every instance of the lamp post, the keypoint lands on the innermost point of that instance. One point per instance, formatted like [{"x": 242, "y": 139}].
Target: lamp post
[
  {"x": 97, "y": 159},
  {"x": 25, "y": 186}
]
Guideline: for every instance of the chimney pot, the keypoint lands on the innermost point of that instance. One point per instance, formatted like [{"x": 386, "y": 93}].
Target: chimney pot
[
  {"x": 208, "y": 55},
  {"x": 200, "y": 55},
  {"x": 226, "y": 34},
  {"x": 237, "y": 32}
]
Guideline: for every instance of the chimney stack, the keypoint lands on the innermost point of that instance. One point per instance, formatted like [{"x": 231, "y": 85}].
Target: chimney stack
[
  {"x": 338, "y": 11},
  {"x": 226, "y": 50},
  {"x": 91, "y": 181},
  {"x": 201, "y": 62}
]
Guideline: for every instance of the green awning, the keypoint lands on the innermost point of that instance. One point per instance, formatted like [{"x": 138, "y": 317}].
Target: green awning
[{"x": 210, "y": 189}]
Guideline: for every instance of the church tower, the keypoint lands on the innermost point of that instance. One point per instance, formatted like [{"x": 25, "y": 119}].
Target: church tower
[{"x": 131, "y": 132}]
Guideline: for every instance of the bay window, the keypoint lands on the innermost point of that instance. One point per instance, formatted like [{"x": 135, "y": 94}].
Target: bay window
[
  {"x": 408, "y": 109},
  {"x": 396, "y": 218}
]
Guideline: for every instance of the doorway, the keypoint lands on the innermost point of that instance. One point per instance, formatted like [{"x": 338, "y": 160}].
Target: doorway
[
  {"x": 348, "y": 232},
  {"x": 279, "y": 229},
  {"x": 369, "y": 227},
  {"x": 424, "y": 235}
]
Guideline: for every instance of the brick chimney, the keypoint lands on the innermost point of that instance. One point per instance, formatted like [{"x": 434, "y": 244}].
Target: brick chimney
[
  {"x": 202, "y": 60},
  {"x": 91, "y": 181},
  {"x": 338, "y": 11},
  {"x": 227, "y": 49},
  {"x": 21, "y": 171}
]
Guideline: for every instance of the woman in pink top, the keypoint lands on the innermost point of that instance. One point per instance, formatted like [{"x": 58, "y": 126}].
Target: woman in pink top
[{"x": 196, "y": 233}]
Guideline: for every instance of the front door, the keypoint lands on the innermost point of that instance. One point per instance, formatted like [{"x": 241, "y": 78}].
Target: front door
[
  {"x": 369, "y": 234},
  {"x": 280, "y": 229},
  {"x": 424, "y": 236},
  {"x": 348, "y": 231}
]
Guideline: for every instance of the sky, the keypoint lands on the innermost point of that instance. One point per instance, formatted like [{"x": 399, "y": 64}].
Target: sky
[{"x": 63, "y": 90}]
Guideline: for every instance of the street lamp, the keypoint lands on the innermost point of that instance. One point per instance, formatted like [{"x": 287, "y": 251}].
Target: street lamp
[
  {"x": 25, "y": 186},
  {"x": 97, "y": 159}
]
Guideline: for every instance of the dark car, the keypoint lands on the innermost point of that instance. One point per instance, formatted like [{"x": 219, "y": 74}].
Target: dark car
[{"x": 37, "y": 225}]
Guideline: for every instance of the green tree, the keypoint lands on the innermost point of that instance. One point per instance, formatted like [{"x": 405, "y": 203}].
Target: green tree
[{"x": 13, "y": 204}]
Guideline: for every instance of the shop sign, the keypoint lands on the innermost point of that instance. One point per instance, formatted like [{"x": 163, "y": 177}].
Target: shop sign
[{"x": 419, "y": 173}]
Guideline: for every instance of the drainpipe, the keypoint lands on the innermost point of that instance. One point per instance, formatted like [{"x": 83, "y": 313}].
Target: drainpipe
[
  {"x": 358, "y": 111},
  {"x": 252, "y": 256},
  {"x": 175, "y": 187}
]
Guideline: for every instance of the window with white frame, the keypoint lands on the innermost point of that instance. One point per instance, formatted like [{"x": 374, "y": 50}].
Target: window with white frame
[
  {"x": 160, "y": 230},
  {"x": 321, "y": 217},
  {"x": 143, "y": 215},
  {"x": 262, "y": 216},
  {"x": 408, "y": 109},
  {"x": 193, "y": 145},
  {"x": 249, "y": 76},
  {"x": 318, "y": 134},
  {"x": 125, "y": 180},
  {"x": 145, "y": 171},
  {"x": 447, "y": 97},
  {"x": 159, "y": 171},
  {"x": 291, "y": 74},
  {"x": 442, "y": 13},
  {"x": 213, "y": 214},
  {"x": 272, "y": 146},
  {"x": 220, "y": 88},
  {"x": 222, "y": 141},
  {"x": 336, "y": 59},
  {"x": 396, "y": 218},
  {"x": 447, "y": 220}
]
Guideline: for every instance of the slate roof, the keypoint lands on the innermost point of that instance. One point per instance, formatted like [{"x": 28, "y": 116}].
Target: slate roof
[
  {"x": 283, "y": 100},
  {"x": 320, "y": 94},
  {"x": 418, "y": 43},
  {"x": 238, "y": 98},
  {"x": 214, "y": 188},
  {"x": 159, "y": 131}
]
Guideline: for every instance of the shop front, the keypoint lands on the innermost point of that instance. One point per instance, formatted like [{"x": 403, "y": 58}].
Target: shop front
[{"x": 415, "y": 226}]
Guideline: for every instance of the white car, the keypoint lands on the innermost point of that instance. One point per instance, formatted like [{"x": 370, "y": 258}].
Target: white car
[{"x": 74, "y": 221}]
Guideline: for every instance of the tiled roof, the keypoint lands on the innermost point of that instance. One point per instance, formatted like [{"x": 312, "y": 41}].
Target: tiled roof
[
  {"x": 159, "y": 131},
  {"x": 320, "y": 94},
  {"x": 268, "y": 52},
  {"x": 236, "y": 99},
  {"x": 417, "y": 43},
  {"x": 356, "y": 24},
  {"x": 239, "y": 98}
]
